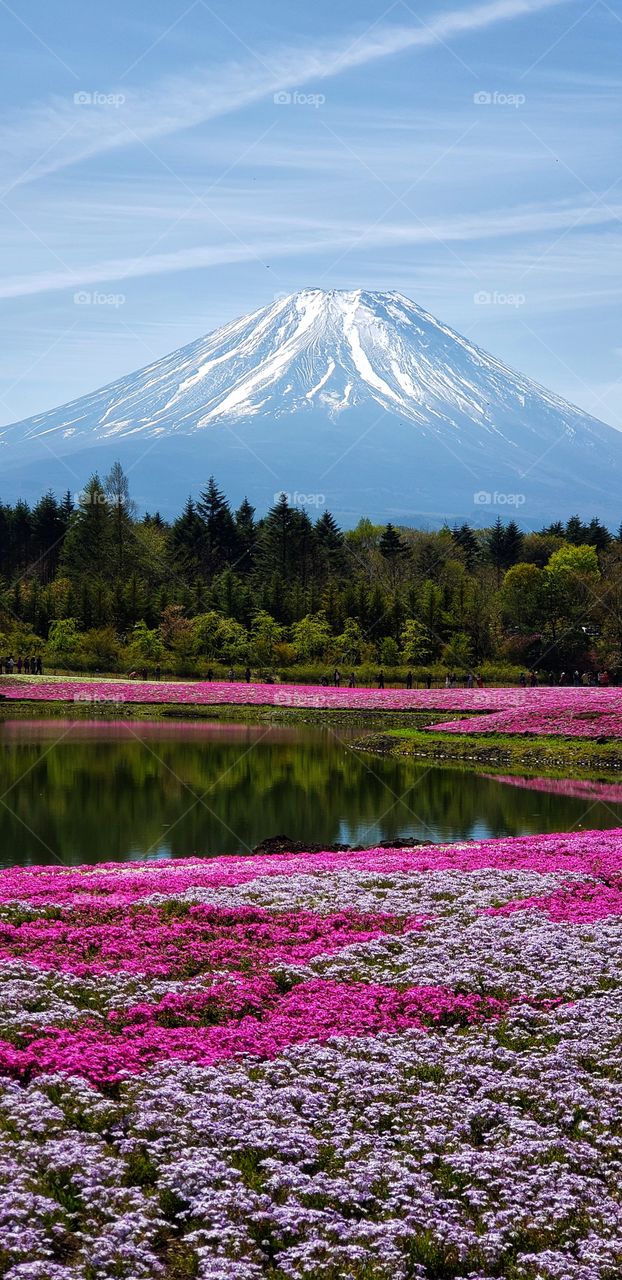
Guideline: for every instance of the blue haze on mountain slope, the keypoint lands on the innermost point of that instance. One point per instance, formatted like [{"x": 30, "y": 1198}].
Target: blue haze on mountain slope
[{"x": 352, "y": 400}]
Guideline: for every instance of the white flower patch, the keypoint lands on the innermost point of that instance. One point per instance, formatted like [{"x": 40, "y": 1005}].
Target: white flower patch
[
  {"x": 523, "y": 953},
  {"x": 398, "y": 893}
]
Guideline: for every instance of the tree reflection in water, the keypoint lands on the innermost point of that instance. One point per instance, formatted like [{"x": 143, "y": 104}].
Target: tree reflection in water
[{"x": 92, "y": 791}]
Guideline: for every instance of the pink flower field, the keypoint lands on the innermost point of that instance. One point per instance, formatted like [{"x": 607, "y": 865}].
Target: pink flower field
[
  {"x": 569, "y": 712},
  {"x": 390, "y": 1063},
  {"x": 235, "y": 693},
  {"x": 549, "y": 716}
]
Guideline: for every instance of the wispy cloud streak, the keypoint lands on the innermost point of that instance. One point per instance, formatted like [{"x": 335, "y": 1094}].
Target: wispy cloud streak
[
  {"x": 305, "y": 235},
  {"x": 62, "y": 132}
]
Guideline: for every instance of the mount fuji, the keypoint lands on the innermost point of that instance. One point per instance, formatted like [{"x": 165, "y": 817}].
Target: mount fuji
[{"x": 358, "y": 401}]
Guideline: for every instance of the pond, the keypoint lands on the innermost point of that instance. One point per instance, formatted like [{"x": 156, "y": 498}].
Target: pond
[{"x": 88, "y": 791}]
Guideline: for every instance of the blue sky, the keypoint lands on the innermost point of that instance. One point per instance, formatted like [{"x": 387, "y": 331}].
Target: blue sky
[{"x": 170, "y": 165}]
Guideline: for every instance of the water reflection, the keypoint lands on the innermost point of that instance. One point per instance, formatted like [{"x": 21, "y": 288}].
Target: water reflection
[{"x": 82, "y": 791}]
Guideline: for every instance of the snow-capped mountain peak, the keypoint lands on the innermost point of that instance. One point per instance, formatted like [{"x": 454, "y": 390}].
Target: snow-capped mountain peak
[
  {"x": 319, "y": 375},
  {"x": 322, "y": 349}
]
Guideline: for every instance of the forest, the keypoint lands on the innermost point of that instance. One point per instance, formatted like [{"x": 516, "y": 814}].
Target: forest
[{"x": 89, "y": 585}]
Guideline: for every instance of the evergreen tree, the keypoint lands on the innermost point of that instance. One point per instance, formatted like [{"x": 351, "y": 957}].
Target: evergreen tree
[
  {"x": 275, "y": 552},
  {"x": 20, "y": 537},
  {"x": 217, "y": 542},
  {"x": 155, "y": 520},
  {"x": 48, "y": 531},
  {"x": 246, "y": 536},
  {"x": 103, "y": 565},
  {"x": 575, "y": 531},
  {"x": 555, "y": 530},
  {"x": 465, "y": 538},
  {"x": 6, "y": 565},
  {"x": 304, "y": 545},
  {"x": 391, "y": 545},
  {"x": 504, "y": 544},
  {"x": 66, "y": 508},
  {"x": 512, "y": 544},
  {"x": 123, "y": 513},
  {"x": 186, "y": 538},
  {"x": 330, "y": 545},
  {"x": 596, "y": 535},
  {"x": 88, "y": 546}
]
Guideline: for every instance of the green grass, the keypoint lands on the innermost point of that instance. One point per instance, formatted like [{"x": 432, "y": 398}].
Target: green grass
[
  {"x": 230, "y": 712},
  {"x": 556, "y": 757}
]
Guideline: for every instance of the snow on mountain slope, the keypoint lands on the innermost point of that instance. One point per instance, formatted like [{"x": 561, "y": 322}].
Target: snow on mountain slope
[
  {"x": 332, "y": 350},
  {"x": 315, "y": 372}
]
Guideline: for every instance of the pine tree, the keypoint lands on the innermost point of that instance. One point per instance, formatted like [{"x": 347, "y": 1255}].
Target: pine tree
[
  {"x": 21, "y": 536},
  {"x": 597, "y": 535},
  {"x": 154, "y": 520},
  {"x": 555, "y": 530},
  {"x": 504, "y": 544},
  {"x": 123, "y": 513},
  {"x": 276, "y": 540},
  {"x": 512, "y": 544},
  {"x": 330, "y": 545},
  {"x": 186, "y": 537},
  {"x": 495, "y": 545},
  {"x": 67, "y": 507},
  {"x": 575, "y": 531},
  {"x": 465, "y": 538},
  {"x": 6, "y": 565},
  {"x": 391, "y": 545},
  {"x": 246, "y": 536},
  {"x": 217, "y": 542},
  {"x": 87, "y": 550},
  {"x": 48, "y": 531},
  {"x": 303, "y": 548}
]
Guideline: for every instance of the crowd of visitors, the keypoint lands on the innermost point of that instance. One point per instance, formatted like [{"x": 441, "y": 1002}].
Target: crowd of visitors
[
  {"x": 21, "y": 666},
  {"x": 576, "y": 679},
  {"x": 33, "y": 666},
  {"x": 469, "y": 679}
]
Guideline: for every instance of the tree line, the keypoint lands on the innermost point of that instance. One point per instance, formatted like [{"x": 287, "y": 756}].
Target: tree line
[{"x": 91, "y": 585}]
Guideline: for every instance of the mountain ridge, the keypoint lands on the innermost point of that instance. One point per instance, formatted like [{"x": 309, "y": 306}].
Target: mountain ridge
[{"x": 310, "y": 382}]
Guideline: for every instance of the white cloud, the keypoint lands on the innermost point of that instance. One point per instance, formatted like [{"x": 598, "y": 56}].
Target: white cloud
[
  {"x": 47, "y": 138},
  {"x": 252, "y": 240}
]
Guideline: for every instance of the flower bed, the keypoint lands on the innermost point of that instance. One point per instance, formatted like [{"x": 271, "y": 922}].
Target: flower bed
[
  {"x": 582, "y": 712},
  {"x": 235, "y": 693},
  {"x": 578, "y": 720},
  {"x": 388, "y": 1064}
]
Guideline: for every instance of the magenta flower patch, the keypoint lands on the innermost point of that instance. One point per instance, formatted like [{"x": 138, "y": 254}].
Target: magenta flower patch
[{"x": 398, "y": 1063}]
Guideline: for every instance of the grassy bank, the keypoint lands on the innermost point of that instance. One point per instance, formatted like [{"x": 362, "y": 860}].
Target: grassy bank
[
  {"x": 555, "y": 756},
  {"x": 13, "y": 709},
  {"x": 397, "y": 733}
]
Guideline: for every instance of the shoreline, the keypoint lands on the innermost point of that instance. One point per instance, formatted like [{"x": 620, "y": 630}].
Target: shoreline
[
  {"x": 528, "y": 754},
  {"x": 245, "y": 713},
  {"x": 399, "y": 733}
]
